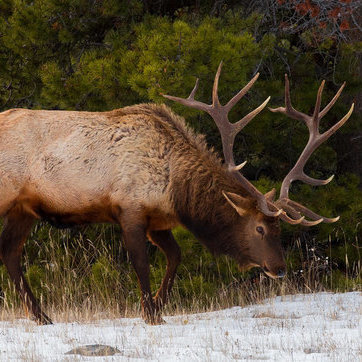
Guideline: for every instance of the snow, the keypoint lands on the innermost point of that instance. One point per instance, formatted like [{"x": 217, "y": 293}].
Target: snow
[{"x": 311, "y": 327}]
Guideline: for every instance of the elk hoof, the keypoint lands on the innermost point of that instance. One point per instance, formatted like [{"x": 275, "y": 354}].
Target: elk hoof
[
  {"x": 42, "y": 320},
  {"x": 155, "y": 320}
]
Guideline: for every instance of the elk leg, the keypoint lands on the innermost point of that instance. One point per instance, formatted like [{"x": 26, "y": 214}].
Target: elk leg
[
  {"x": 134, "y": 238},
  {"x": 16, "y": 228},
  {"x": 167, "y": 243}
]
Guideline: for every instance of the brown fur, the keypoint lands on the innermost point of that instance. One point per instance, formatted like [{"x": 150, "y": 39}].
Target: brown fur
[{"x": 140, "y": 167}]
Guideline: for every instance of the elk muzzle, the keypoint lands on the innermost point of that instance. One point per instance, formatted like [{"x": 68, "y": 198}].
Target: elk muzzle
[{"x": 275, "y": 272}]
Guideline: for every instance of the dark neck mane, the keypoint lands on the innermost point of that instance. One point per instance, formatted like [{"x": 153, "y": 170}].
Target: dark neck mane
[{"x": 197, "y": 184}]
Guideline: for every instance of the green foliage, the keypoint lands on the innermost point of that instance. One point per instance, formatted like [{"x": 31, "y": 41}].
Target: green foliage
[
  {"x": 104, "y": 277},
  {"x": 98, "y": 56},
  {"x": 164, "y": 57},
  {"x": 8, "y": 293},
  {"x": 35, "y": 275},
  {"x": 343, "y": 282}
]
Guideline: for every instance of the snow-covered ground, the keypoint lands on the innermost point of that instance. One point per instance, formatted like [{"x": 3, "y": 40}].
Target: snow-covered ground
[{"x": 314, "y": 327}]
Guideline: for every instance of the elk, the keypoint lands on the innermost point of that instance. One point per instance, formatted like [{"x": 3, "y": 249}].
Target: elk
[{"x": 142, "y": 168}]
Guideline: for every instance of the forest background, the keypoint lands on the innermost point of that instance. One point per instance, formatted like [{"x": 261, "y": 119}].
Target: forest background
[{"x": 98, "y": 55}]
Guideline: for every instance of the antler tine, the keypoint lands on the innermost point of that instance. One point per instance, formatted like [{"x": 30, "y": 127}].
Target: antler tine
[
  {"x": 241, "y": 93},
  {"x": 296, "y": 218},
  {"x": 192, "y": 94},
  {"x": 288, "y": 110},
  {"x": 215, "y": 97},
  {"x": 331, "y": 103},
  {"x": 238, "y": 167},
  {"x": 309, "y": 213},
  {"x": 297, "y": 173},
  {"x": 289, "y": 220},
  {"x": 324, "y": 136},
  {"x": 314, "y": 182},
  {"x": 317, "y": 107},
  {"x": 315, "y": 140},
  {"x": 238, "y": 126},
  {"x": 190, "y": 100}
]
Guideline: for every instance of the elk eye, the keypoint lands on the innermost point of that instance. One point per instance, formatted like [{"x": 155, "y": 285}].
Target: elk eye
[{"x": 260, "y": 230}]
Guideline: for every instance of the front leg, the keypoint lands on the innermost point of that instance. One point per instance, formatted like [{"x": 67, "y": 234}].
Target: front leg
[
  {"x": 134, "y": 237},
  {"x": 167, "y": 243}
]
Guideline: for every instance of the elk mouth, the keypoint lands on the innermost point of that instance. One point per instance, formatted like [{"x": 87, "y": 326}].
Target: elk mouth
[{"x": 280, "y": 273}]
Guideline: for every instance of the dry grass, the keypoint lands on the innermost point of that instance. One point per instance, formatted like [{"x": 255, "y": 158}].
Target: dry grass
[{"x": 78, "y": 279}]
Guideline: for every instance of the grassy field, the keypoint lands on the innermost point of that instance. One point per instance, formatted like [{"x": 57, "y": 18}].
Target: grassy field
[{"x": 82, "y": 275}]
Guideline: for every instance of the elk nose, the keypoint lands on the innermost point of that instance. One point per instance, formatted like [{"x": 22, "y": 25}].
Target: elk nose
[{"x": 281, "y": 273}]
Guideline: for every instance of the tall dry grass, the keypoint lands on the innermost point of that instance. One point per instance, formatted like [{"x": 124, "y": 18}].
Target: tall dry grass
[{"x": 87, "y": 276}]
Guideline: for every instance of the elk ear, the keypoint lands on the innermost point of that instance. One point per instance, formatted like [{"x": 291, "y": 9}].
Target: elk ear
[
  {"x": 239, "y": 203},
  {"x": 270, "y": 195}
]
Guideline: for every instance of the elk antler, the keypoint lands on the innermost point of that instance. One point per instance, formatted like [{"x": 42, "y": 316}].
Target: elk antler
[
  {"x": 229, "y": 130},
  {"x": 315, "y": 140}
]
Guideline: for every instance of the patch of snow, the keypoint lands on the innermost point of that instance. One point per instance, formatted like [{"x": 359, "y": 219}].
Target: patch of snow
[{"x": 312, "y": 327}]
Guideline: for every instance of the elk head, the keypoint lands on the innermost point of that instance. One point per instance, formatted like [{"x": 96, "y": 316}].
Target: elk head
[{"x": 260, "y": 214}]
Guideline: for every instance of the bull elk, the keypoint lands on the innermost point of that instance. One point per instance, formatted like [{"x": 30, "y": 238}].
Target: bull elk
[{"x": 141, "y": 167}]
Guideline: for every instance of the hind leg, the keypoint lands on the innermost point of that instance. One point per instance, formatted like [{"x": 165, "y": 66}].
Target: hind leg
[{"x": 16, "y": 228}]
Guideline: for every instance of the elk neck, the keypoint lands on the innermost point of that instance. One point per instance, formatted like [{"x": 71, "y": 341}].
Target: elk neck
[{"x": 197, "y": 184}]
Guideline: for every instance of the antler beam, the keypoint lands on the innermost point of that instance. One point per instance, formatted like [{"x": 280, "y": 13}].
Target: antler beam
[
  {"x": 283, "y": 206},
  {"x": 315, "y": 140},
  {"x": 229, "y": 130}
]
